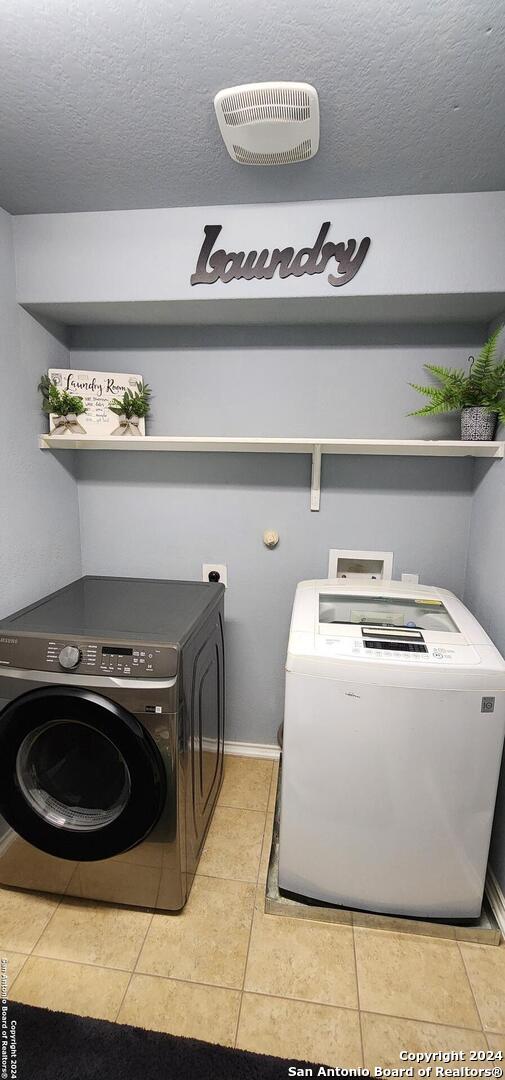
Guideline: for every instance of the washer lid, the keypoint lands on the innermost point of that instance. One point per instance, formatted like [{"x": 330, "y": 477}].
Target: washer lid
[{"x": 389, "y": 612}]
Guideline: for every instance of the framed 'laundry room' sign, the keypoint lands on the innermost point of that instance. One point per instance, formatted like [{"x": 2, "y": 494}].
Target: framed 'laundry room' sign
[{"x": 98, "y": 389}]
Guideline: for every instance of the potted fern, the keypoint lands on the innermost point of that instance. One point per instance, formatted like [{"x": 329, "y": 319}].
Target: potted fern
[
  {"x": 62, "y": 407},
  {"x": 478, "y": 393},
  {"x": 131, "y": 409}
]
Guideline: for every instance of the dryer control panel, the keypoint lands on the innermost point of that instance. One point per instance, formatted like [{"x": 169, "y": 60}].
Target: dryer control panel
[{"x": 86, "y": 657}]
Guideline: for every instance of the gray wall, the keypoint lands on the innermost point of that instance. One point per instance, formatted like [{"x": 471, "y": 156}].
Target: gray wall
[
  {"x": 165, "y": 514},
  {"x": 485, "y": 592},
  {"x": 39, "y": 524}
]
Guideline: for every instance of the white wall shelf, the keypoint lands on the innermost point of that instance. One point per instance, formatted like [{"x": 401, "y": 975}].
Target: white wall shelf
[{"x": 315, "y": 447}]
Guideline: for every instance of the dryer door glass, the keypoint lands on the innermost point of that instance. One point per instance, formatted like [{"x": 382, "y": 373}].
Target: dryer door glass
[
  {"x": 80, "y": 777},
  {"x": 73, "y": 776}
]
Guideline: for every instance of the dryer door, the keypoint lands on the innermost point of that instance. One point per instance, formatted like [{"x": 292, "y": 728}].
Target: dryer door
[{"x": 80, "y": 778}]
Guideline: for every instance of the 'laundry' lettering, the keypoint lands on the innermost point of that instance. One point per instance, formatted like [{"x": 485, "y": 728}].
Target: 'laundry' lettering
[{"x": 225, "y": 266}]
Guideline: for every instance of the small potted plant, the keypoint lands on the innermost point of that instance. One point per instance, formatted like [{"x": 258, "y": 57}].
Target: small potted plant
[
  {"x": 478, "y": 394},
  {"x": 64, "y": 407},
  {"x": 131, "y": 409}
]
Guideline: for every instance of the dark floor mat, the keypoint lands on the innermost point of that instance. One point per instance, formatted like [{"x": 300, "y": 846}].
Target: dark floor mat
[{"x": 58, "y": 1046}]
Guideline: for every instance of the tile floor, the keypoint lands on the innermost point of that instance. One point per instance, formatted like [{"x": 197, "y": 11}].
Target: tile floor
[{"x": 226, "y": 972}]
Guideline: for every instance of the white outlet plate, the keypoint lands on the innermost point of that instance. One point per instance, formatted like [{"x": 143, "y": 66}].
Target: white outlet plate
[
  {"x": 410, "y": 579},
  {"x": 221, "y": 569}
]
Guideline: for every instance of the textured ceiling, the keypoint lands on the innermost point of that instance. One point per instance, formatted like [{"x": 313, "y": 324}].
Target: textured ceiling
[{"x": 107, "y": 104}]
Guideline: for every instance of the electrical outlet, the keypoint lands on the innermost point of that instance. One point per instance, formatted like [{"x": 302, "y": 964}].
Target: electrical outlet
[
  {"x": 410, "y": 579},
  {"x": 219, "y": 568}
]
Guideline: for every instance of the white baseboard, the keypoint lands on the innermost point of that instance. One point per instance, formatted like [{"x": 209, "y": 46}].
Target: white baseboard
[
  {"x": 496, "y": 899},
  {"x": 252, "y": 749}
]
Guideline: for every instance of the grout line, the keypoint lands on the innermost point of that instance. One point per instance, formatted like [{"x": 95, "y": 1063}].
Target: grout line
[
  {"x": 188, "y": 982},
  {"x": 251, "y": 927},
  {"x": 8, "y": 948},
  {"x": 214, "y": 877},
  {"x": 470, "y": 983},
  {"x": 133, "y": 972},
  {"x": 374, "y": 1012},
  {"x": 422, "y": 1020},
  {"x": 10, "y": 987},
  {"x": 358, "y": 996},
  {"x": 233, "y": 806},
  {"x": 243, "y": 810},
  {"x": 312, "y": 1001},
  {"x": 50, "y": 919},
  {"x": 30, "y": 953},
  {"x": 82, "y": 963}
]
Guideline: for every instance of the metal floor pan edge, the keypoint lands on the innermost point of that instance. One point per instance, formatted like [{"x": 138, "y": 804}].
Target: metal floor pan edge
[{"x": 484, "y": 931}]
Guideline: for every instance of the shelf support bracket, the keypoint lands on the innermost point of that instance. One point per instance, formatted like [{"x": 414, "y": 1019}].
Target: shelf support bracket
[{"x": 315, "y": 482}]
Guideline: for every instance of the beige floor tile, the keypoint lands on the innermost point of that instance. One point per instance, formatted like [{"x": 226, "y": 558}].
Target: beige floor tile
[
  {"x": 246, "y": 782},
  {"x": 299, "y": 1030},
  {"x": 233, "y": 845},
  {"x": 413, "y": 977},
  {"x": 265, "y": 849},
  {"x": 181, "y": 1008},
  {"x": 208, "y": 941},
  {"x": 385, "y": 1036},
  {"x": 485, "y": 965},
  {"x": 496, "y": 1042},
  {"x": 295, "y": 958},
  {"x": 95, "y": 934},
  {"x": 23, "y": 917},
  {"x": 11, "y": 962},
  {"x": 273, "y": 788},
  {"x": 75, "y": 988}
]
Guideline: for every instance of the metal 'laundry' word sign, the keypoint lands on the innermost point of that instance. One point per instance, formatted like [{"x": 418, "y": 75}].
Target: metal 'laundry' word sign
[{"x": 225, "y": 266}]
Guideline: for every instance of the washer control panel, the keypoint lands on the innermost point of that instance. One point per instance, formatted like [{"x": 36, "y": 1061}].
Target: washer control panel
[{"x": 408, "y": 652}]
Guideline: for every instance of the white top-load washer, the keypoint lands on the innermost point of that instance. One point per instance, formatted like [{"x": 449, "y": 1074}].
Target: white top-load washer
[{"x": 393, "y": 736}]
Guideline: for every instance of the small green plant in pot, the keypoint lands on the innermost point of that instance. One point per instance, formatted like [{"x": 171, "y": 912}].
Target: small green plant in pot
[
  {"x": 64, "y": 407},
  {"x": 131, "y": 409},
  {"x": 478, "y": 393}
]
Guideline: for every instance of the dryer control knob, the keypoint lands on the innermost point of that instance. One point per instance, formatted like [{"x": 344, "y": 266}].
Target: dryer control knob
[{"x": 70, "y": 656}]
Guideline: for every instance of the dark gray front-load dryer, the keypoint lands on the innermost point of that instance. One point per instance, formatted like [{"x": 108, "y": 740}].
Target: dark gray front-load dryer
[{"x": 111, "y": 738}]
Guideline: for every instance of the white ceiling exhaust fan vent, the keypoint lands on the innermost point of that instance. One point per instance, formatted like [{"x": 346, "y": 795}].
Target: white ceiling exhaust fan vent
[{"x": 269, "y": 123}]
